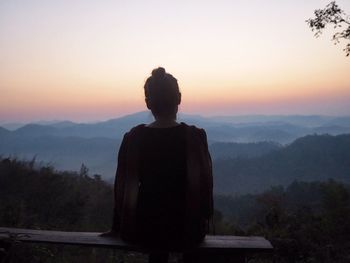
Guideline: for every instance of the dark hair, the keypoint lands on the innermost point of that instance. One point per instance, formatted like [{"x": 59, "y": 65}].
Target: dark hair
[{"x": 162, "y": 93}]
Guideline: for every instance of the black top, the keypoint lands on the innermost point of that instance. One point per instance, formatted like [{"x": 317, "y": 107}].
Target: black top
[{"x": 161, "y": 202}]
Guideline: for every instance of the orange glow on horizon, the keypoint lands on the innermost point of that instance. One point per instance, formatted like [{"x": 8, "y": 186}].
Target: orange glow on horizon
[{"x": 89, "y": 61}]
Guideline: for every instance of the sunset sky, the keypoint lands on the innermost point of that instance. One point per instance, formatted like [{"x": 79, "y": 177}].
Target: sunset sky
[{"x": 87, "y": 60}]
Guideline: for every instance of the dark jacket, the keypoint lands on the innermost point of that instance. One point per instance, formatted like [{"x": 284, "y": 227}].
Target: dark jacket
[{"x": 199, "y": 185}]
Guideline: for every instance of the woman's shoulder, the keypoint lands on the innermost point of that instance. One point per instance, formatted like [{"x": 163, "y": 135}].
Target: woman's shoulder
[
  {"x": 194, "y": 131},
  {"x": 193, "y": 128},
  {"x": 135, "y": 129}
]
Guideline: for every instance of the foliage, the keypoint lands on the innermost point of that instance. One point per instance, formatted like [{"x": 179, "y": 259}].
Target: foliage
[
  {"x": 305, "y": 221},
  {"x": 333, "y": 15},
  {"x": 42, "y": 198},
  {"x": 49, "y": 199}
]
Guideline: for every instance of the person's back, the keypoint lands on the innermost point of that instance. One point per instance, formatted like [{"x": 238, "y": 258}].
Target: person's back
[
  {"x": 161, "y": 206},
  {"x": 163, "y": 185}
]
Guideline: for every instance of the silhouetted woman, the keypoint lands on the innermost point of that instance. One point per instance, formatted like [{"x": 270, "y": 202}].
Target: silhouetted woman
[{"x": 163, "y": 186}]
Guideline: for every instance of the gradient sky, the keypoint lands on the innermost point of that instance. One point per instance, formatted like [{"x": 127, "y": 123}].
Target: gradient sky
[{"x": 87, "y": 60}]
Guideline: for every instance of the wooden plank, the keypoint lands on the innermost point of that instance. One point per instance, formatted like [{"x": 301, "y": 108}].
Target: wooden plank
[{"x": 219, "y": 244}]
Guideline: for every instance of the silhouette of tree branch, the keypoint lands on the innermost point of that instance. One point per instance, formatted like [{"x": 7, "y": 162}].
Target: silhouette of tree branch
[{"x": 333, "y": 15}]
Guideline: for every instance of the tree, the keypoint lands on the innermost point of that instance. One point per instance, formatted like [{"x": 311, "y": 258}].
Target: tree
[
  {"x": 84, "y": 171},
  {"x": 332, "y": 15}
]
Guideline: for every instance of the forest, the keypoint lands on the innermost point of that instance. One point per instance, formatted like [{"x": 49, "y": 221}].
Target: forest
[
  {"x": 305, "y": 221},
  {"x": 309, "y": 158}
]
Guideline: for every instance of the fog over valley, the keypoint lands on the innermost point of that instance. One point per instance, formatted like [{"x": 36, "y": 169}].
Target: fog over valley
[{"x": 250, "y": 153}]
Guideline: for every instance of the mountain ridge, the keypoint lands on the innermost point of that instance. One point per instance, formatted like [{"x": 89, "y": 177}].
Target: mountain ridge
[
  {"x": 282, "y": 129},
  {"x": 313, "y": 157}
]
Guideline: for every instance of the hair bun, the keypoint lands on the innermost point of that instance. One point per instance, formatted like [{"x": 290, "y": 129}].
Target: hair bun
[{"x": 158, "y": 73}]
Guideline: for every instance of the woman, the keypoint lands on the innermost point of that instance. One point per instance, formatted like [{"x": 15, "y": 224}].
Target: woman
[{"x": 163, "y": 186}]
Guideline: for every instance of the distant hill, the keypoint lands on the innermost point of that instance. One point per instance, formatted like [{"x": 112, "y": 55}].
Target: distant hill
[
  {"x": 311, "y": 158},
  {"x": 65, "y": 153},
  {"x": 251, "y": 128},
  {"x": 238, "y": 167},
  {"x": 62, "y": 124},
  {"x": 34, "y": 130},
  {"x": 332, "y": 129},
  {"x": 299, "y": 120},
  {"x": 100, "y": 154},
  {"x": 4, "y": 132},
  {"x": 67, "y": 145},
  {"x": 229, "y": 150},
  {"x": 339, "y": 121}
]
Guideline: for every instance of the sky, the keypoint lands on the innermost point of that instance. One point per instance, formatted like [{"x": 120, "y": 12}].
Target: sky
[{"x": 87, "y": 60}]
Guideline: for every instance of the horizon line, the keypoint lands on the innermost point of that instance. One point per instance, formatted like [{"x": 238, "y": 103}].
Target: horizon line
[{"x": 53, "y": 121}]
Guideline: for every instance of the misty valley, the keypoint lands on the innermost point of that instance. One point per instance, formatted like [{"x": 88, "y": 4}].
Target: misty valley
[
  {"x": 249, "y": 153},
  {"x": 283, "y": 177}
]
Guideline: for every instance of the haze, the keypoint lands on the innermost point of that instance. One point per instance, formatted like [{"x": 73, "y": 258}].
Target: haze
[{"x": 88, "y": 60}]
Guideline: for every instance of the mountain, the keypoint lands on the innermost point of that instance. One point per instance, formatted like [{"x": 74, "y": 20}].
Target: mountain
[
  {"x": 310, "y": 158},
  {"x": 254, "y": 133},
  {"x": 62, "y": 124},
  {"x": 4, "y": 132},
  {"x": 299, "y": 120},
  {"x": 222, "y": 150},
  {"x": 238, "y": 167},
  {"x": 253, "y": 128},
  {"x": 65, "y": 153},
  {"x": 331, "y": 129},
  {"x": 339, "y": 121},
  {"x": 67, "y": 144},
  {"x": 11, "y": 125},
  {"x": 34, "y": 130},
  {"x": 100, "y": 154}
]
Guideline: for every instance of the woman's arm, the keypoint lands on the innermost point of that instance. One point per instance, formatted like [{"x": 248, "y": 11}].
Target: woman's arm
[
  {"x": 119, "y": 185},
  {"x": 207, "y": 178}
]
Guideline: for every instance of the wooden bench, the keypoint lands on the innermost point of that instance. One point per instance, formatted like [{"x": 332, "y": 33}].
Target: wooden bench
[{"x": 227, "y": 246}]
